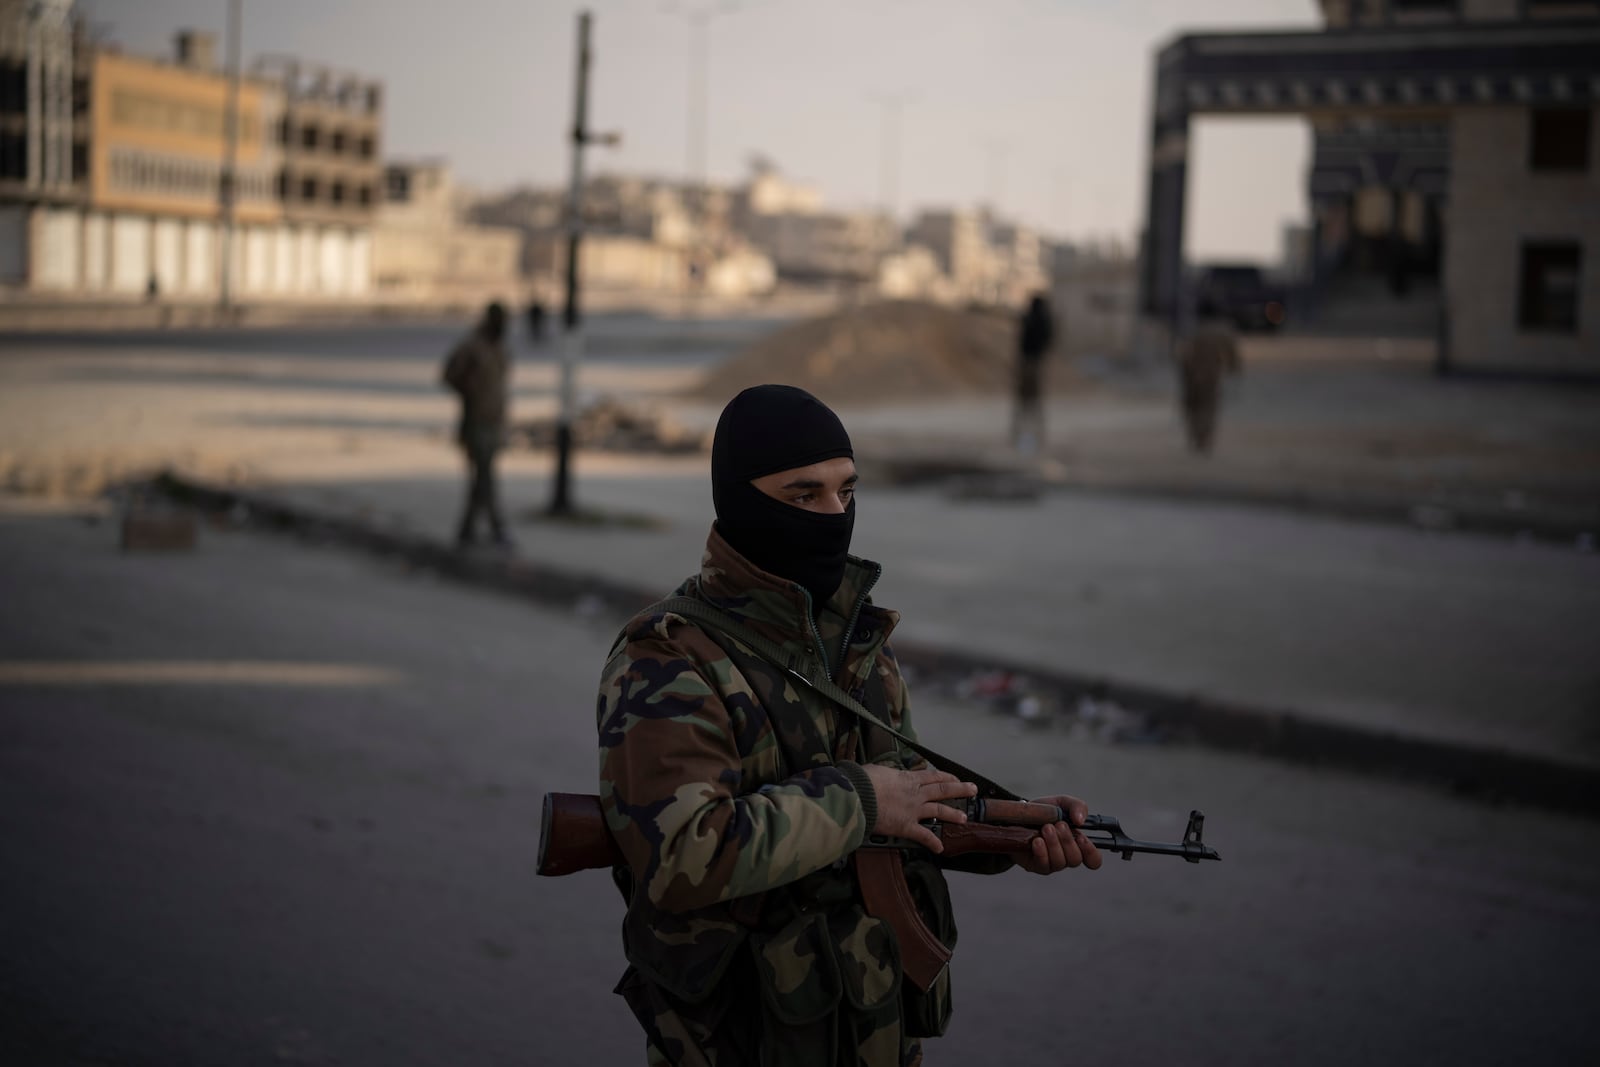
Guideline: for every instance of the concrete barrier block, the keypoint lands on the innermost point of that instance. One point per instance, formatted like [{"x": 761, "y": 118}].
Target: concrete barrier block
[{"x": 151, "y": 530}]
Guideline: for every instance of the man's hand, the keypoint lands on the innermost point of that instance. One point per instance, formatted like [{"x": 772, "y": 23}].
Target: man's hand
[
  {"x": 905, "y": 798},
  {"x": 1062, "y": 844}
]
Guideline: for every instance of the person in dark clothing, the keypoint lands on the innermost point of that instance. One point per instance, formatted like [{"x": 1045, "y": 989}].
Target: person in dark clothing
[
  {"x": 478, "y": 370},
  {"x": 1205, "y": 356},
  {"x": 1034, "y": 337},
  {"x": 536, "y": 323}
]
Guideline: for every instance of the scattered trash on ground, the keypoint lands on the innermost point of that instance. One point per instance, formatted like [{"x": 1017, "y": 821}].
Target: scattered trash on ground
[{"x": 1040, "y": 703}]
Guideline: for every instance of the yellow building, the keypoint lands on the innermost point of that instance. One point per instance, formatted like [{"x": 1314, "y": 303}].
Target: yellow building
[
  {"x": 159, "y": 134},
  {"x": 146, "y": 216}
]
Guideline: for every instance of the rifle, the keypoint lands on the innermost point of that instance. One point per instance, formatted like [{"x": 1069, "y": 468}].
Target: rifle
[{"x": 573, "y": 837}]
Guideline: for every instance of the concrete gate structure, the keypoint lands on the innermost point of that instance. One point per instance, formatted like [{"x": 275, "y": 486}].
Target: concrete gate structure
[{"x": 1447, "y": 110}]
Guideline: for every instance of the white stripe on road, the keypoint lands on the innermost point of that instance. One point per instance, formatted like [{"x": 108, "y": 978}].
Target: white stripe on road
[{"x": 193, "y": 672}]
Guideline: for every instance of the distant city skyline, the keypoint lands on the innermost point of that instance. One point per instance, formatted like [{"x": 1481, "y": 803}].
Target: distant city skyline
[{"x": 1040, "y": 105}]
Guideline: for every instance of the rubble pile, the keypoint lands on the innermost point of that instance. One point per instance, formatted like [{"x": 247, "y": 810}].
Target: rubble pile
[
  {"x": 881, "y": 351},
  {"x": 608, "y": 425}
]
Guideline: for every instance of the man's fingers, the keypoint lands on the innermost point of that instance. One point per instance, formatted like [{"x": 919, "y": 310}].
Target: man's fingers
[
  {"x": 926, "y": 838},
  {"x": 1077, "y": 811},
  {"x": 1091, "y": 855},
  {"x": 940, "y": 785},
  {"x": 943, "y": 812},
  {"x": 1062, "y": 854}
]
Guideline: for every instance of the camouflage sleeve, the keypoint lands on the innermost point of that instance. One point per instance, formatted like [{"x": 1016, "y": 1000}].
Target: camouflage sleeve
[{"x": 670, "y": 776}]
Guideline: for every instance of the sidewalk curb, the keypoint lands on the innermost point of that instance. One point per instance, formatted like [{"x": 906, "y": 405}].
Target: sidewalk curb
[
  {"x": 1488, "y": 774},
  {"x": 1423, "y": 514}
]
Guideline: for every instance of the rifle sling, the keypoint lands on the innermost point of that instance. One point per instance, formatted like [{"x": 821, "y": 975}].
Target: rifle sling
[
  {"x": 885, "y": 894},
  {"x": 807, "y": 673}
]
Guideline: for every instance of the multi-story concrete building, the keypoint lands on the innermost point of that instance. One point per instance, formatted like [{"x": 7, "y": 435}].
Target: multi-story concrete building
[
  {"x": 825, "y": 246},
  {"x": 1453, "y": 138},
  {"x": 422, "y": 252},
  {"x": 983, "y": 258},
  {"x": 113, "y": 169},
  {"x": 43, "y": 137},
  {"x": 330, "y": 181},
  {"x": 157, "y": 159}
]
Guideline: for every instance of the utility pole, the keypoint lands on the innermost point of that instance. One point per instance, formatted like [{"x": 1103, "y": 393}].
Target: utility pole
[
  {"x": 999, "y": 149},
  {"x": 572, "y": 323},
  {"x": 699, "y": 60},
  {"x": 230, "y": 163},
  {"x": 889, "y": 150},
  {"x": 696, "y": 163}
]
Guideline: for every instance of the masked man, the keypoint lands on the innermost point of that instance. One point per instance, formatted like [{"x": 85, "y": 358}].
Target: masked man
[{"x": 738, "y": 795}]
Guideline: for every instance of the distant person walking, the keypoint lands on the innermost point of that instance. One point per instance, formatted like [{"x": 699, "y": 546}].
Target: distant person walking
[
  {"x": 478, "y": 370},
  {"x": 536, "y": 323},
  {"x": 1035, "y": 334},
  {"x": 1204, "y": 356}
]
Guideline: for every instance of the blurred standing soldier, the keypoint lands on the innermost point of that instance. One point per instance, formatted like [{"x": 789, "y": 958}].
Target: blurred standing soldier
[
  {"x": 536, "y": 323},
  {"x": 478, "y": 370},
  {"x": 1035, "y": 334},
  {"x": 738, "y": 795},
  {"x": 1204, "y": 357}
]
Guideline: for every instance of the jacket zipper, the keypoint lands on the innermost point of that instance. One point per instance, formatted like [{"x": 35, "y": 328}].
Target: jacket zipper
[
  {"x": 849, "y": 630},
  {"x": 855, "y": 616}
]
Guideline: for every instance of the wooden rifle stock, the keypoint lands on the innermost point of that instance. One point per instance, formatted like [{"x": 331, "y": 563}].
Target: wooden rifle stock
[{"x": 573, "y": 835}]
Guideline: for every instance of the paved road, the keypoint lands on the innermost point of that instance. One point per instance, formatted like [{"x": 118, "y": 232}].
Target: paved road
[
  {"x": 271, "y": 864},
  {"x": 609, "y": 336},
  {"x": 1470, "y": 639}
]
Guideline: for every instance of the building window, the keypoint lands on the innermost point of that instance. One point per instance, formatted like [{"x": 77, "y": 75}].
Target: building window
[
  {"x": 336, "y": 142},
  {"x": 397, "y": 187},
  {"x": 364, "y": 195},
  {"x": 366, "y": 147},
  {"x": 308, "y": 188},
  {"x": 1559, "y": 139},
  {"x": 13, "y": 156},
  {"x": 282, "y": 131},
  {"x": 13, "y": 87},
  {"x": 308, "y": 137},
  {"x": 1549, "y": 291},
  {"x": 336, "y": 192}
]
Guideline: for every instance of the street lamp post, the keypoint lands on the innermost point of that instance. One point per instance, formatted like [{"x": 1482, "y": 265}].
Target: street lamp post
[
  {"x": 889, "y": 150},
  {"x": 697, "y": 140}
]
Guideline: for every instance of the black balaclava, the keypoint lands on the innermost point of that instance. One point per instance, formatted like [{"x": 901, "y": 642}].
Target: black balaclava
[{"x": 763, "y": 430}]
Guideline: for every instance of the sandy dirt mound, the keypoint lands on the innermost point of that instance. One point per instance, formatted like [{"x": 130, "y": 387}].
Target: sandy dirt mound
[{"x": 877, "y": 353}]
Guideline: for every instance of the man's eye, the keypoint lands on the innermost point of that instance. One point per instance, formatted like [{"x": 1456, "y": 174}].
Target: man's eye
[{"x": 804, "y": 498}]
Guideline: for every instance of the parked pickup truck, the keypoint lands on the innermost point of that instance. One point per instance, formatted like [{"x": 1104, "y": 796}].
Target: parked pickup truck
[{"x": 1242, "y": 294}]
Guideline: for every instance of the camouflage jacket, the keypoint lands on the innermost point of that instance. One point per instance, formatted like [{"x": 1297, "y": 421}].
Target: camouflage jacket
[{"x": 737, "y": 795}]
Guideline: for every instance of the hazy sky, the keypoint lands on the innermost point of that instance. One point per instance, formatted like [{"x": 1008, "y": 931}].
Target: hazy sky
[{"x": 1043, "y": 102}]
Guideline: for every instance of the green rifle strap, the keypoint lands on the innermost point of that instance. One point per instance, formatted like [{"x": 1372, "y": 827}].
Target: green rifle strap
[{"x": 807, "y": 672}]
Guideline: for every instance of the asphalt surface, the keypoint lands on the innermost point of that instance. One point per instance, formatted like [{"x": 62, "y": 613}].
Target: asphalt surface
[
  {"x": 1379, "y": 627},
  {"x": 323, "y": 854}
]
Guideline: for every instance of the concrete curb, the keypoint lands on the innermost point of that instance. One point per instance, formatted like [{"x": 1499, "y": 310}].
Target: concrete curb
[
  {"x": 1488, "y": 774},
  {"x": 1549, "y": 525}
]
